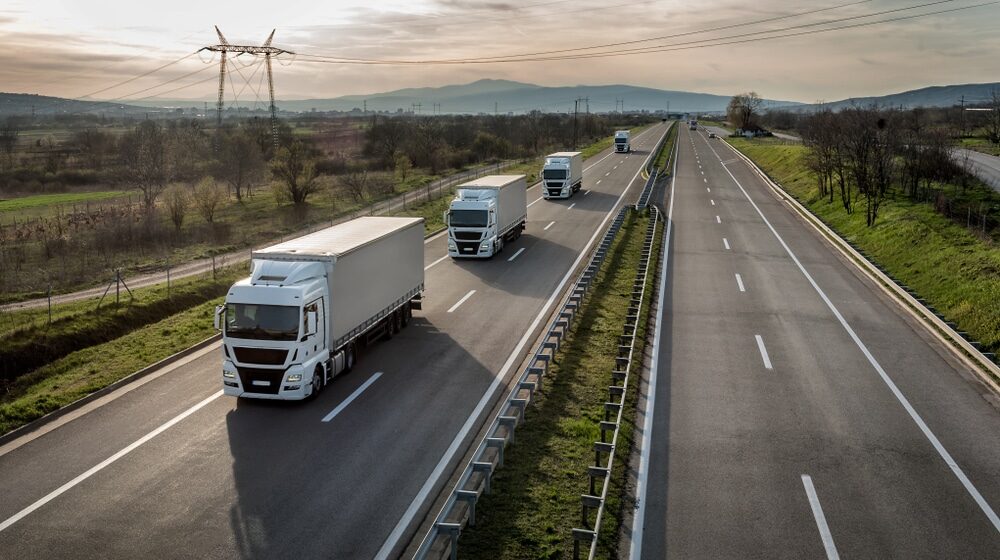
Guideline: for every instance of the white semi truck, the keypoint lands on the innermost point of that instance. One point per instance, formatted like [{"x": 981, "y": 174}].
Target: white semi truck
[
  {"x": 485, "y": 214},
  {"x": 562, "y": 174},
  {"x": 622, "y": 144},
  {"x": 311, "y": 304}
]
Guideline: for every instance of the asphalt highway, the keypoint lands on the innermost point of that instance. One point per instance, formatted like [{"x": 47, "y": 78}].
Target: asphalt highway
[
  {"x": 168, "y": 468},
  {"x": 798, "y": 412}
]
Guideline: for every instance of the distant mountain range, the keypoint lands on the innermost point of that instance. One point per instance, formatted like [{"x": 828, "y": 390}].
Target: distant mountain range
[
  {"x": 934, "y": 96},
  {"x": 503, "y": 96}
]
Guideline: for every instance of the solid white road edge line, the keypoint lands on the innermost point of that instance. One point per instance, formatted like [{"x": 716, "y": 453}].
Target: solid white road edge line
[
  {"x": 100, "y": 466},
  {"x": 739, "y": 282},
  {"x": 917, "y": 419},
  {"x": 357, "y": 393},
  {"x": 763, "y": 351},
  {"x": 425, "y": 490},
  {"x": 817, "y": 509},
  {"x": 461, "y": 301},
  {"x": 514, "y": 256},
  {"x": 642, "y": 472},
  {"x": 532, "y": 203}
]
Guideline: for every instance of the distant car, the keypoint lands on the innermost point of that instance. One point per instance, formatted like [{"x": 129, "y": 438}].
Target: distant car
[{"x": 712, "y": 135}]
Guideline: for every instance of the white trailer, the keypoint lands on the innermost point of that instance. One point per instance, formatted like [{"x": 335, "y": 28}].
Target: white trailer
[
  {"x": 485, "y": 214},
  {"x": 622, "y": 141},
  {"x": 312, "y": 303},
  {"x": 562, "y": 174}
]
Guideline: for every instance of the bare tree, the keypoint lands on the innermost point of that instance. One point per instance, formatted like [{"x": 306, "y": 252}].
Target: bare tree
[
  {"x": 177, "y": 204},
  {"x": 8, "y": 140},
  {"x": 403, "y": 166},
  {"x": 144, "y": 162},
  {"x": 208, "y": 197},
  {"x": 993, "y": 123},
  {"x": 94, "y": 146},
  {"x": 295, "y": 172},
  {"x": 240, "y": 162},
  {"x": 743, "y": 109},
  {"x": 355, "y": 182}
]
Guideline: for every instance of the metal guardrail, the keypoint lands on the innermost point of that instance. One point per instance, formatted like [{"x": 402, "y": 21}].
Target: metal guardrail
[
  {"x": 647, "y": 190},
  {"x": 614, "y": 407},
  {"x": 460, "y": 508}
]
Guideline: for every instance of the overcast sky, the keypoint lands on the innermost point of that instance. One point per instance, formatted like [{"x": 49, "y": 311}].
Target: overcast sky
[{"x": 74, "y": 48}]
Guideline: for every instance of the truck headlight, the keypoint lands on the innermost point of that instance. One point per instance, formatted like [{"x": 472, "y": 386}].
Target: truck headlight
[
  {"x": 228, "y": 374},
  {"x": 293, "y": 377},
  {"x": 484, "y": 245}
]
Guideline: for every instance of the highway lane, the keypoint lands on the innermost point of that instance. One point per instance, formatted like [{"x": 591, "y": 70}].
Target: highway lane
[
  {"x": 263, "y": 479},
  {"x": 774, "y": 435}
]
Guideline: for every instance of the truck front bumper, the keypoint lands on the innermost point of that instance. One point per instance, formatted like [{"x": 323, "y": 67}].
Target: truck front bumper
[
  {"x": 470, "y": 249},
  {"x": 251, "y": 383}
]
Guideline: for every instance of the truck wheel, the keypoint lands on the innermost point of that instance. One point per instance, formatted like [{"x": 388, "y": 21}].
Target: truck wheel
[
  {"x": 397, "y": 321},
  {"x": 350, "y": 355},
  {"x": 389, "y": 328},
  {"x": 407, "y": 313},
  {"x": 317, "y": 382}
]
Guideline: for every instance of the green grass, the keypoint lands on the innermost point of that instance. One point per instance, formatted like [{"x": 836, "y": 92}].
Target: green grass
[
  {"x": 535, "y": 499},
  {"x": 957, "y": 272},
  {"x": 21, "y": 204},
  {"x": 980, "y": 145},
  {"x": 28, "y": 341},
  {"x": 665, "y": 157},
  {"x": 85, "y": 371}
]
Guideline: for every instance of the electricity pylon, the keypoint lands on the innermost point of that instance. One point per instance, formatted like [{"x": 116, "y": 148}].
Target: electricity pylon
[{"x": 268, "y": 51}]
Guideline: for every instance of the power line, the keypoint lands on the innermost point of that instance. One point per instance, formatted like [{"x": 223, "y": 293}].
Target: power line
[{"x": 703, "y": 43}]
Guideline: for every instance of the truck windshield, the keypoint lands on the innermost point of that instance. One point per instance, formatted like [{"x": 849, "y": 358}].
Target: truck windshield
[
  {"x": 262, "y": 322},
  {"x": 468, "y": 218},
  {"x": 554, "y": 174},
  {"x": 621, "y": 140}
]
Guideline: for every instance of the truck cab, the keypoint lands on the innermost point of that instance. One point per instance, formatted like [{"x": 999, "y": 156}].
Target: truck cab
[
  {"x": 622, "y": 142},
  {"x": 472, "y": 223},
  {"x": 274, "y": 331},
  {"x": 562, "y": 174}
]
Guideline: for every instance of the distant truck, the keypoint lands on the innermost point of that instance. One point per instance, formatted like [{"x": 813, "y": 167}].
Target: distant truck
[
  {"x": 485, "y": 214},
  {"x": 562, "y": 174},
  {"x": 693, "y": 125},
  {"x": 622, "y": 144},
  {"x": 312, "y": 303}
]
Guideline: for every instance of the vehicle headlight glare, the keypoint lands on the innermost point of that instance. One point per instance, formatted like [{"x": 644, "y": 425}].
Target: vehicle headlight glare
[
  {"x": 292, "y": 378},
  {"x": 228, "y": 374}
]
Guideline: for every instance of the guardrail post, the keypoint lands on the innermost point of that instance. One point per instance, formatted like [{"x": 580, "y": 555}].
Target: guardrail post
[{"x": 453, "y": 530}]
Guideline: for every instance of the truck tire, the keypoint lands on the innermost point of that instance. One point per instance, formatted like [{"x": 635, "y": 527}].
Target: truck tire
[
  {"x": 406, "y": 314},
  {"x": 317, "y": 382},
  {"x": 389, "y": 328},
  {"x": 350, "y": 356},
  {"x": 397, "y": 321}
]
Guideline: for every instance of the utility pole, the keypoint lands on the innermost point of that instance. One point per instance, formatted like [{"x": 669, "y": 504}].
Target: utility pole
[
  {"x": 269, "y": 52},
  {"x": 365, "y": 110},
  {"x": 576, "y": 112},
  {"x": 963, "y": 115},
  {"x": 496, "y": 108}
]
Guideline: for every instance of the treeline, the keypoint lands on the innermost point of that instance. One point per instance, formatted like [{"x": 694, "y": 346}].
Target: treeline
[{"x": 862, "y": 155}]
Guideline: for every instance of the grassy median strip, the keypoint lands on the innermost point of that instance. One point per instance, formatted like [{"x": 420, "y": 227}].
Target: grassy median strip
[
  {"x": 666, "y": 156},
  {"x": 957, "y": 272},
  {"x": 535, "y": 498}
]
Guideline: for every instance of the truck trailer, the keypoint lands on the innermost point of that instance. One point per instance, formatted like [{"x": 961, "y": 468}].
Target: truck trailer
[
  {"x": 562, "y": 174},
  {"x": 312, "y": 303},
  {"x": 485, "y": 214},
  {"x": 622, "y": 142}
]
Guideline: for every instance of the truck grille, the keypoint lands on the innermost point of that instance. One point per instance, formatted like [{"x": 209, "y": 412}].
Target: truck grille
[
  {"x": 468, "y": 235},
  {"x": 258, "y": 380},
  {"x": 466, "y": 248},
  {"x": 555, "y": 192},
  {"x": 262, "y": 356}
]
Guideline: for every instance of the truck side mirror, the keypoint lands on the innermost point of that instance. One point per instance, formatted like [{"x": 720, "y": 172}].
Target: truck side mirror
[
  {"x": 219, "y": 311},
  {"x": 311, "y": 320}
]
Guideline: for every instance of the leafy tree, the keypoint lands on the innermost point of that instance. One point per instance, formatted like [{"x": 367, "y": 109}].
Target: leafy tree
[{"x": 295, "y": 172}]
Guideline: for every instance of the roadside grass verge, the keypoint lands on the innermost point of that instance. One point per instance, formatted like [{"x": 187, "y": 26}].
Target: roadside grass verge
[
  {"x": 29, "y": 342},
  {"x": 535, "y": 499},
  {"x": 82, "y": 372},
  {"x": 957, "y": 272}
]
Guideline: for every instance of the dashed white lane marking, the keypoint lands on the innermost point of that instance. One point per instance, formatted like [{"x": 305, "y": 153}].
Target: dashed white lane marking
[
  {"x": 357, "y": 393},
  {"x": 713, "y": 202},
  {"x": 548, "y": 226},
  {"x": 461, "y": 301},
  {"x": 726, "y": 243},
  {"x": 519, "y": 251},
  {"x": 817, "y": 509},
  {"x": 763, "y": 351},
  {"x": 718, "y": 220},
  {"x": 739, "y": 282},
  {"x": 570, "y": 207}
]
